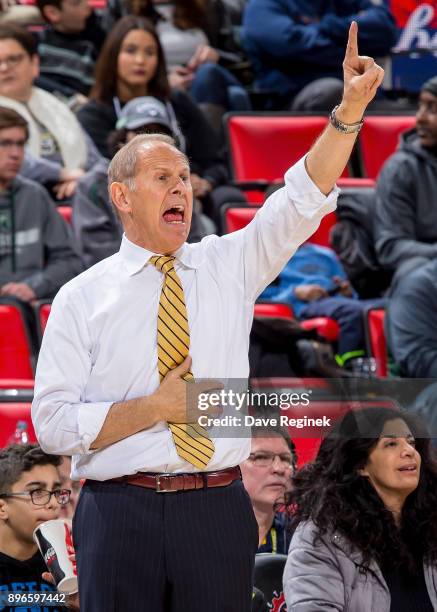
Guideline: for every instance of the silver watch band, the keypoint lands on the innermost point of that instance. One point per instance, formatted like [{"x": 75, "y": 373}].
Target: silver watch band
[{"x": 344, "y": 128}]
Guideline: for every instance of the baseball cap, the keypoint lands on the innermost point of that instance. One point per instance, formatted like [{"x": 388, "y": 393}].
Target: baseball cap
[{"x": 143, "y": 111}]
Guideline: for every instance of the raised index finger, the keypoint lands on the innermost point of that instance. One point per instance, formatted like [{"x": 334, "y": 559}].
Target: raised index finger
[{"x": 352, "y": 43}]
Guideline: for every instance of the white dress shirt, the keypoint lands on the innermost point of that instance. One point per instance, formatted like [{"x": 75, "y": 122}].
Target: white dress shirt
[{"x": 100, "y": 344}]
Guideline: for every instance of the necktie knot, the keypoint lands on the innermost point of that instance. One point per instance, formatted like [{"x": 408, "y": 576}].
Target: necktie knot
[{"x": 163, "y": 263}]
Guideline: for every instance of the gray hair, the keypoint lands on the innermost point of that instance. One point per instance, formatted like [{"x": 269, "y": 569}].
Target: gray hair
[{"x": 122, "y": 168}]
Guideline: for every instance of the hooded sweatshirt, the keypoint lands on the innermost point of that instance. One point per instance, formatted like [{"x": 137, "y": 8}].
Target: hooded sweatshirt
[
  {"x": 25, "y": 577},
  {"x": 35, "y": 244},
  {"x": 406, "y": 210}
]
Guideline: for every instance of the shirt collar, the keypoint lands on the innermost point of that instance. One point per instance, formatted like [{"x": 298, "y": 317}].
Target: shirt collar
[{"x": 136, "y": 257}]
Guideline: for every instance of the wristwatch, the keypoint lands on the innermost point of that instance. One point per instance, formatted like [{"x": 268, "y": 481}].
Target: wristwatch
[{"x": 344, "y": 128}]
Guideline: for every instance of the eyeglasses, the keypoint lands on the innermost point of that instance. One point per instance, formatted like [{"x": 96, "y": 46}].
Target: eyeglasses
[
  {"x": 9, "y": 144},
  {"x": 266, "y": 459},
  {"x": 12, "y": 60},
  {"x": 41, "y": 497}
]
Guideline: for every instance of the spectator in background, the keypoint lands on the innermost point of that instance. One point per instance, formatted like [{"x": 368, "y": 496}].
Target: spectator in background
[
  {"x": 314, "y": 284},
  {"x": 30, "y": 494},
  {"x": 11, "y": 11},
  {"x": 266, "y": 477},
  {"x": 366, "y": 514},
  {"x": 64, "y": 470},
  {"x": 132, "y": 65},
  {"x": 296, "y": 47},
  {"x": 198, "y": 44},
  {"x": 68, "y": 47},
  {"x": 54, "y": 132},
  {"x": 412, "y": 323},
  {"x": 235, "y": 8},
  {"x": 36, "y": 253},
  {"x": 96, "y": 225},
  {"x": 406, "y": 213}
]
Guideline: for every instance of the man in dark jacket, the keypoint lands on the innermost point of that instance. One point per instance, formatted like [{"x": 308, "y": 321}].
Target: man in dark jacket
[
  {"x": 36, "y": 253},
  {"x": 412, "y": 323},
  {"x": 406, "y": 211},
  {"x": 292, "y": 43}
]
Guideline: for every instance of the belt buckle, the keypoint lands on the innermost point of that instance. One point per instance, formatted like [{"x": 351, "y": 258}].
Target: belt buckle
[{"x": 158, "y": 484}]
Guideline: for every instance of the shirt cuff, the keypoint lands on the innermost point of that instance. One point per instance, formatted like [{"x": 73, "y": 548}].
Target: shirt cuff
[
  {"x": 304, "y": 193},
  {"x": 90, "y": 419}
]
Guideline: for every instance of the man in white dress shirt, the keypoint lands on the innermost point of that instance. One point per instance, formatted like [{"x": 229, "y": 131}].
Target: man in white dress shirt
[{"x": 98, "y": 395}]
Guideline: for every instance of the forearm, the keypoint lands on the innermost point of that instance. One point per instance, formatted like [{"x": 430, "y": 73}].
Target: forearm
[
  {"x": 393, "y": 251},
  {"x": 143, "y": 414},
  {"x": 330, "y": 153}
]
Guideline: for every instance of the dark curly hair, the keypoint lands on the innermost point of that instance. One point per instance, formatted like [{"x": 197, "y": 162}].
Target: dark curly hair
[{"x": 335, "y": 497}]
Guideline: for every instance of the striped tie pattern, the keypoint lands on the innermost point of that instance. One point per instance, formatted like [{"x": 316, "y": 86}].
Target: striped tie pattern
[{"x": 191, "y": 440}]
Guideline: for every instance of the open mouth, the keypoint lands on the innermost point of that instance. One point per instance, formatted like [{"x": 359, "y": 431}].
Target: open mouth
[{"x": 174, "y": 215}]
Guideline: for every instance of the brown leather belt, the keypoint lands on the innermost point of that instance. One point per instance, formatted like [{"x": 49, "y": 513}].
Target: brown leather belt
[{"x": 170, "y": 483}]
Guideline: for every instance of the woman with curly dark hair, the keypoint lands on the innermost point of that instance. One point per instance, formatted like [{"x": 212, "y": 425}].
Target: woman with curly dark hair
[{"x": 366, "y": 510}]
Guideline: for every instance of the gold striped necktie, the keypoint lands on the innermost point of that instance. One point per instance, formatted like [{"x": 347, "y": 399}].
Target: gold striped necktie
[{"x": 191, "y": 440}]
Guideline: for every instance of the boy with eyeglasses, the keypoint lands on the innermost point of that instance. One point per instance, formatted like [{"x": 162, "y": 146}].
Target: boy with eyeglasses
[{"x": 30, "y": 494}]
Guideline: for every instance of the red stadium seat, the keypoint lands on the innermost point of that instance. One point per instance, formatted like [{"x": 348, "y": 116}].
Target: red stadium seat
[
  {"x": 328, "y": 328},
  {"x": 263, "y": 146},
  {"x": 379, "y": 139},
  {"x": 95, "y": 4},
  {"x": 321, "y": 235},
  {"x": 308, "y": 438},
  {"x": 15, "y": 348},
  {"x": 346, "y": 182},
  {"x": 42, "y": 314},
  {"x": 17, "y": 383},
  {"x": 235, "y": 218},
  {"x": 269, "y": 309},
  {"x": 10, "y": 414},
  {"x": 306, "y": 449},
  {"x": 375, "y": 338},
  {"x": 65, "y": 212}
]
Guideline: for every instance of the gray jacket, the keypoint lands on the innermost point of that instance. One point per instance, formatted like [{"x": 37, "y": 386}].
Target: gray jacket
[
  {"x": 405, "y": 223},
  {"x": 327, "y": 576},
  {"x": 96, "y": 227},
  {"x": 35, "y": 244},
  {"x": 411, "y": 324}
]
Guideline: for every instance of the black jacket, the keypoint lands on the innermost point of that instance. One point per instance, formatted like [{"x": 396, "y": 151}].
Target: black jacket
[
  {"x": 25, "y": 577},
  {"x": 202, "y": 146},
  {"x": 406, "y": 212}
]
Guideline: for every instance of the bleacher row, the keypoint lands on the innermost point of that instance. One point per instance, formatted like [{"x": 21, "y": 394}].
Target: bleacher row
[{"x": 250, "y": 138}]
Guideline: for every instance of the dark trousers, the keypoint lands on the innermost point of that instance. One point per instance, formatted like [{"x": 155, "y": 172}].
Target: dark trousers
[
  {"x": 189, "y": 551},
  {"x": 214, "y": 84},
  {"x": 349, "y": 315}
]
